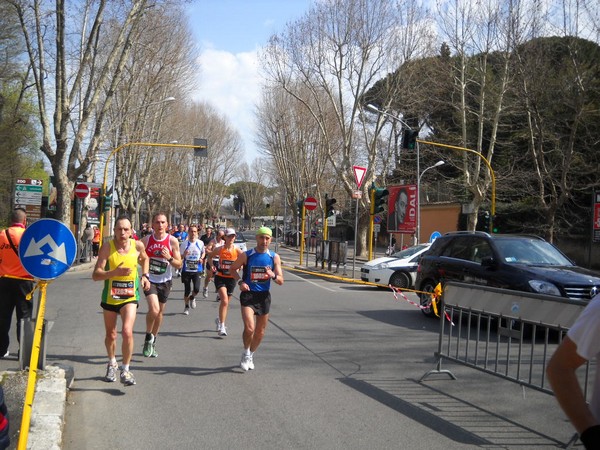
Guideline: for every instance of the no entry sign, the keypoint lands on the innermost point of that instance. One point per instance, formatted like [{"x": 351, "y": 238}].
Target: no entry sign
[
  {"x": 310, "y": 203},
  {"x": 82, "y": 190}
]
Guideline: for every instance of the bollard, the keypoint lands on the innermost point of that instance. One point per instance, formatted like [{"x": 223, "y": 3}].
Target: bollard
[{"x": 27, "y": 330}]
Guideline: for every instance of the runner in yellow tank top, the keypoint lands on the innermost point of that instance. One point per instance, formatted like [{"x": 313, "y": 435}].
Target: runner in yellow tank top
[{"x": 117, "y": 267}]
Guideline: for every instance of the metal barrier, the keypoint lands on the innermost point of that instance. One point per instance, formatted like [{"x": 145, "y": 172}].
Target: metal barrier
[
  {"x": 505, "y": 333},
  {"x": 330, "y": 253}
]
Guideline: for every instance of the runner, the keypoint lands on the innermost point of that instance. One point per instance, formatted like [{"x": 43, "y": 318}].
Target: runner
[
  {"x": 212, "y": 263},
  {"x": 117, "y": 266},
  {"x": 181, "y": 234},
  {"x": 261, "y": 265},
  {"x": 192, "y": 253},
  {"x": 224, "y": 278},
  {"x": 163, "y": 250}
]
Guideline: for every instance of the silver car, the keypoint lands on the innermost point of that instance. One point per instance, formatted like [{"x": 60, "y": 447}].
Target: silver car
[{"x": 399, "y": 269}]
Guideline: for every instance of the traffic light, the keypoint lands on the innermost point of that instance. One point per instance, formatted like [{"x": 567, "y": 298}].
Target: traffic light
[
  {"x": 409, "y": 139},
  {"x": 107, "y": 202},
  {"x": 483, "y": 221},
  {"x": 299, "y": 205},
  {"x": 329, "y": 202},
  {"x": 496, "y": 224},
  {"x": 378, "y": 199}
]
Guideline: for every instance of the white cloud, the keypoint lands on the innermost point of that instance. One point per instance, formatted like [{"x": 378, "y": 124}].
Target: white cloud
[{"x": 230, "y": 82}]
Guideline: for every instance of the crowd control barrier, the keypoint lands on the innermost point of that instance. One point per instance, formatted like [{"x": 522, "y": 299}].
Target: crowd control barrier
[
  {"x": 330, "y": 253},
  {"x": 506, "y": 333}
]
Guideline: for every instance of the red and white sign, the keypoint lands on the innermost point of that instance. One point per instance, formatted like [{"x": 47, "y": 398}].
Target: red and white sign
[
  {"x": 310, "y": 203},
  {"x": 82, "y": 190},
  {"x": 402, "y": 209},
  {"x": 359, "y": 175}
]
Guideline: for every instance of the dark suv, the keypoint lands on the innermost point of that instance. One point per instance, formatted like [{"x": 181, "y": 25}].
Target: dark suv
[{"x": 518, "y": 262}]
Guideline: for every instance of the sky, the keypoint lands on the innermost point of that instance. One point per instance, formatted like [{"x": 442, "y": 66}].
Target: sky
[{"x": 229, "y": 34}]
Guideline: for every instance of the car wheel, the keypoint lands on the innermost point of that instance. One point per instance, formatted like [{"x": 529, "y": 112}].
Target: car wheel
[
  {"x": 400, "y": 280},
  {"x": 427, "y": 286}
]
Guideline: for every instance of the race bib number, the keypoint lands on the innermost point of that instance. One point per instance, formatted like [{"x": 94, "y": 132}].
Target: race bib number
[
  {"x": 191, "y": 264},
  {"x": 259, "y": 275},
  {"x": 158, "y": 266},
  {"x": 122, "y": 289},
  {"x": 225, "y": 265}
]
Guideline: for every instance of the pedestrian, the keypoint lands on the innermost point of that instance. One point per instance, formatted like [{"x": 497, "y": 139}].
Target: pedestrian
[
  {"x": 86, "y": 238},
  {"x": 582, "y": 344},
  {"x": 117, "y": 266},
  {"x": 16, "y": 285},
  {"x": 261, "y": 266},
  {"x": 96, "y": 241},
  {"x": 224, "y": 278},
  {"x": 163, "y": 250},
  {"x": 212, "y": 263},
  {"x": 192, "y": 253}
]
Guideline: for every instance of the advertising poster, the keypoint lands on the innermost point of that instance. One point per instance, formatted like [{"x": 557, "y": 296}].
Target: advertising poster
[
  {"x": 93, "y": 213},
  {"x": 402, "y": 209}
]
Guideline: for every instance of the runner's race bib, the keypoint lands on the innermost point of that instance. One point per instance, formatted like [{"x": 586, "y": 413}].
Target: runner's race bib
[
  {"x": 225, "y": 265},
  {"x": 158, "y": 266},
  {"x": 258, "y": 275},
  {"x": 122, "y": 289},
  {"x": 191, "y": 264}
]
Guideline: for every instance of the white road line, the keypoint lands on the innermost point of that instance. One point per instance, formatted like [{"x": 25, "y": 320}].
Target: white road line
[{"x": 312, "y": 282}]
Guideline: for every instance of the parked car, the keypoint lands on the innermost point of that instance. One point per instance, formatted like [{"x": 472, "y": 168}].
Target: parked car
[
  {"x": 240, "y": 242},
  {"x": 517, "y": 262},
  {"x": 399, "y": 269}
]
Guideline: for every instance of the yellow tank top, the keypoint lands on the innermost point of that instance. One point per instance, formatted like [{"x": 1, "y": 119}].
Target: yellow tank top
[{"x": 120, "y": 290}]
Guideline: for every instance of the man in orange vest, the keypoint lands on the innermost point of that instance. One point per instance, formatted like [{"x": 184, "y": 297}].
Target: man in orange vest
[{"x": 15, "y": 282}]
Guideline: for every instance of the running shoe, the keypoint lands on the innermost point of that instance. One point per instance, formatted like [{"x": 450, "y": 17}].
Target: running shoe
[
  {"x": 186, "y": 310},
  {"x": 127, "y": 378},
  {"x": 246, "y": 363},
  {"x": 111, "y": 372},
  {"x": 205, "y": 292},
  {"x": 218, "y": 324},
  {"x": 223, "y": 330},
  {"x": 193, "y": 302},
  {"x": 154, "y": 354},
  {"x": 147, "y": 348}
]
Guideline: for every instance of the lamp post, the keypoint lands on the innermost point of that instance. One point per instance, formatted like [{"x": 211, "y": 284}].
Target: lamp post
[{"x": 437, "y": 164}]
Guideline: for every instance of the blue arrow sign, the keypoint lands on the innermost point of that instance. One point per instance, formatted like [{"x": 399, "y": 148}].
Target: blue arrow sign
[
  {"x": 47, "y": 249},
  {"x": 434, "y": 236}
]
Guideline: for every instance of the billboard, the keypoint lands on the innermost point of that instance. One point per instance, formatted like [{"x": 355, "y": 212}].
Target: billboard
[{"x": 402, "y": 209}]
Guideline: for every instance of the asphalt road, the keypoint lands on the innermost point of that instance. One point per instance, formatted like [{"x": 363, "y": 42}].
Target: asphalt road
[{"x": 338, "y": 369}]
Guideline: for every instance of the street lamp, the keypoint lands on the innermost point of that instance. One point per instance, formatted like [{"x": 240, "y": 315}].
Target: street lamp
[{"x": 437, "y": 164}]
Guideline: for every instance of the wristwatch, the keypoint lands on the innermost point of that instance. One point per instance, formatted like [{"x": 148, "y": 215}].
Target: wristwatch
[
  {"x": 240, "y": 282},
  {"x": 171, "y": 259},
  {"x": 147, "y": 275},
  {"x": 274, "y": 277}
]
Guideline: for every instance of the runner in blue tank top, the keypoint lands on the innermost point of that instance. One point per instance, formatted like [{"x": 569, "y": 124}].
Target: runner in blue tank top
[{"x": 261, "y": 266}]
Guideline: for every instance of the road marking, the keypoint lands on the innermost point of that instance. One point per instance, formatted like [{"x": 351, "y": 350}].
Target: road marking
[{"x": 313, "y": 283}]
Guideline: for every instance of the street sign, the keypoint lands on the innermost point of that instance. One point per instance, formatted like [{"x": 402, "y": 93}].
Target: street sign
[
  {"x": 357, "y": 194},
  {"x": 359, "y": 175},
  {"x": 310, "y": 203},
  {"x": 47, "y": 249},
  {"x": 82, "y": 190},
  {"x": 434, "y": 236},
  {"x": 377, "y": 219},
  {"x": 28, "y": 195}
]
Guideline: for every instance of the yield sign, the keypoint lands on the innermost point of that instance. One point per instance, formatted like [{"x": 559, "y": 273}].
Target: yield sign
[{"x": 359, "y": 175}]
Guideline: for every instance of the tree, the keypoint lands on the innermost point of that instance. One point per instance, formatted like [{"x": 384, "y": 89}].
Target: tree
[{"x": 76, "y": 65}]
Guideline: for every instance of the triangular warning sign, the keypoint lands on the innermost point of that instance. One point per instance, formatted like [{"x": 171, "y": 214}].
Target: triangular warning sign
[{"x": 359, "y": 175}]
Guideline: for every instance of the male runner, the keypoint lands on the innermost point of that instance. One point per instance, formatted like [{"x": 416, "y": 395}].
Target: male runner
[
  {"x": 163, "y": 251},
  {"x": 181, "y": 234},
  {"x": 212, "y": 264},
  {"x": 192, "y": 253},
  {"x": 224, "y": 278},
  {"x": 261, "y": 265},
  {"x": 117, "y": 265}
]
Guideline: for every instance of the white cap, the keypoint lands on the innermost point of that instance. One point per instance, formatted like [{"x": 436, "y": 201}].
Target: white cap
[{"x": 229, "y": 231}]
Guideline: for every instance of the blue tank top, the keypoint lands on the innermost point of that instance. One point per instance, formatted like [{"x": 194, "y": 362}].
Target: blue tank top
[{"x": 255, "y": 270}]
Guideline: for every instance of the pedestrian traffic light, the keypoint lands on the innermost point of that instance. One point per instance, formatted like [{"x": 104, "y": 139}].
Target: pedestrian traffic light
[
  {"x": 329, "y": 202},
  {"x": 378, "y": 199},
  {"x": 409, "y": 139}
]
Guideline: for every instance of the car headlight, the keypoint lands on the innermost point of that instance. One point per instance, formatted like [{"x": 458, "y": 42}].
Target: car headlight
[
  {"x": 544, "y": 287},
  {"x": 380, "y": 266}
]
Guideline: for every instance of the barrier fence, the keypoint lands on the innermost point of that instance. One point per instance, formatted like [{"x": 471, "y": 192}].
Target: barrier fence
[
  {"x": 330, "y": 254},
  {"x": 505, "y": 333}
]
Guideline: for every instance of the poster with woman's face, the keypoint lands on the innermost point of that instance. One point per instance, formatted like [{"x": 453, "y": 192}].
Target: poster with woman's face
[{"x": 402, "y": 209}]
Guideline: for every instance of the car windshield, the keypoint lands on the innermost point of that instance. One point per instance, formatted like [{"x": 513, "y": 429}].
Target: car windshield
[
  {"x": 408, "y": 252},
  {"x": 532, "y": 252}
]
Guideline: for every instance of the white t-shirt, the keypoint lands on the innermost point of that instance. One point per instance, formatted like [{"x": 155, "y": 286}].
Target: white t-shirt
[{"x": 585, "y": 332}]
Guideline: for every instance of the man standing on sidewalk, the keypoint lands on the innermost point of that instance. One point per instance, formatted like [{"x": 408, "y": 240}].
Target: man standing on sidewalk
[
  {"x": 117, "y": 266},
  {"x": 163, "y": 251},
  {"x": 261, "y": 265},
  {"x": 15, "y": 282}
]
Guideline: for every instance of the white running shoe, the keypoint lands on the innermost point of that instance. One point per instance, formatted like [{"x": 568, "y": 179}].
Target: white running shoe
[
  {"x": 218, "y": 324},
  {"x": 247, "y": 362},
  {"x": 223, "y": 330},
  {"x": 186, "y": 310},
  {"x": 193, "y": 302},
  {"x": 205, "y": 292}
]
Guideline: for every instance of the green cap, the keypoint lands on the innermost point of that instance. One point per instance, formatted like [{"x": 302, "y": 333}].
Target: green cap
[{"x": 264, "y": 231}]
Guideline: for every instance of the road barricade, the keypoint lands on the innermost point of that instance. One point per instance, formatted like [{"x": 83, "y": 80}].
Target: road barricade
[
  {"x": 331, "y": 253},
  {"x": 506, "y": 333}
]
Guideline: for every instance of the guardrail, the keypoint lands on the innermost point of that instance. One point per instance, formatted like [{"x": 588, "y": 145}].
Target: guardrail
[{"x": 505, "y": 333}]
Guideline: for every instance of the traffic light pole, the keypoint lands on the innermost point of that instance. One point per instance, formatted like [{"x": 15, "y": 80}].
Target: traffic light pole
[
  {"x": 302, "y": 233},
  {"x": 371, "y": 220},
  {"x": 121, "y": 147}
]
